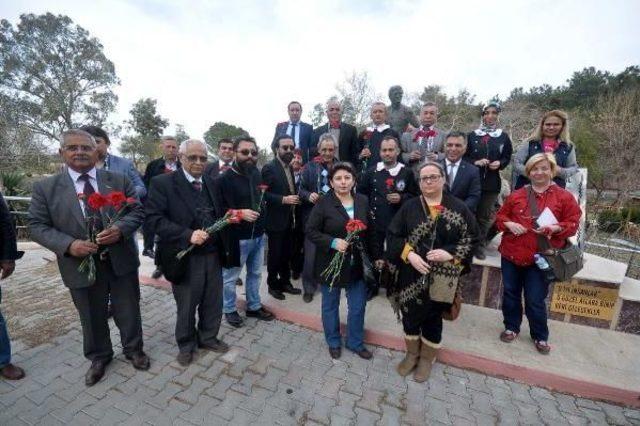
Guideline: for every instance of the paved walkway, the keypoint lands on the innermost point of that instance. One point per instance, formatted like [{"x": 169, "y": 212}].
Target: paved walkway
[{"x": 276, "y": 373}]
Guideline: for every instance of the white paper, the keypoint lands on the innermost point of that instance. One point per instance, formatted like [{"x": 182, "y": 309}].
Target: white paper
[{"x": 547, "y": 218}]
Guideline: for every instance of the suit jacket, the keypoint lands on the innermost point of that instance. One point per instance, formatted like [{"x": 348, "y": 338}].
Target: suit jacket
[
  {"x": 126, "y": 167},
  {"x": 305, "y": 137},
  {"x": 347, "y": 145},
  {"x": 8, "y": 245},
  {"x": 466, "y": 185},
  {"x": 171, "y": 209},
  {"x": 279, "y": 216},
  {"x": 56, "y": 220},
  {"x": 213, "y": 169},
  {"x": 408, "y": 145},
  {"x": 155, "y": 168}
]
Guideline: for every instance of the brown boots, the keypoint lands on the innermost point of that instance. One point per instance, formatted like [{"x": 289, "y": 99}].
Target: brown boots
[
  {"x": 421, "y": 355},
  {"x": 411, "y": 357}
]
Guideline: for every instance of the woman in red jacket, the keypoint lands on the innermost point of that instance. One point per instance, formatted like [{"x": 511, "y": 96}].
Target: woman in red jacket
[{"x": 520, "y": 244}]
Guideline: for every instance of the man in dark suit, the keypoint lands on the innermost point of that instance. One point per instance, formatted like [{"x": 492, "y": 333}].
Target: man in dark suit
[
  {"x": 179, "y": 206},
  {"x": 168, "y": 163},
  {"x": 281, "y": 200},
  {"x": 8, "y": 255},
  {"x": 59, "y": 215},
  {"x": 300, "y": 132},
  {"x": 225, "y": 158},
  {"x": 345, "y": 134},
  {"x": 371, "y": 138},
  {"x": 463, "y": 178}
]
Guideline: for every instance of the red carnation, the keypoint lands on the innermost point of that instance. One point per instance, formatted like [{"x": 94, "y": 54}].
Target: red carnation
[
  {"x": 355, "y": 225},
  {"x": 419, "y": 134},
  {"x": 431, "y": 133},
  {"x": 116, "y": 199},
  {"x": 235, "y": 216},
  {"x": 317, "y": 160},
  {"x": 439, "y": 209},
  {"x": 389, "y": 182},
  {"x": 131, "y": 200},
  {"x": 263, "y": 187},
  {"x": 96, "y": 201},
  {"x": 297, "y": 151}
]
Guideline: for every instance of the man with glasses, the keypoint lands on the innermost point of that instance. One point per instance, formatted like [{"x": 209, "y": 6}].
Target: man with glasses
[
  {"x": 345, "y": 134},
  {"x": 281, "y": 199},
  {"x": 61, "y": 218},
  {"x": 180, "y": 205},
  {"x": 240, "y": 189}
]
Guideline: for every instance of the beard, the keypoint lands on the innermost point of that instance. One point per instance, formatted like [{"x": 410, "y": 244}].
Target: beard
[
  {"x": 246, "y": 166},
  {"x": 287, "y": 157}
]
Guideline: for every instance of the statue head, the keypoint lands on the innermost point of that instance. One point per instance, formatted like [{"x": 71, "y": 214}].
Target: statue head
[{"x": 395, "y": 94}]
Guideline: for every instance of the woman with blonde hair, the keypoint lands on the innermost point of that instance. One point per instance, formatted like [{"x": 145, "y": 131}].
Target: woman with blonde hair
[
  {"x": 523, "y": 239},
  {"x": 551, "y": 136}
]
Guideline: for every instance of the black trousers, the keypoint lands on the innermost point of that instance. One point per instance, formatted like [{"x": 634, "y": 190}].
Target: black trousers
[
  {"x": 148, "y": 236},
  {"x": 309, "y": 282},
  {"x": 297, "y": 251},
  {"x": 485, "y": 214},
  {"x": 278, "y": 257},
  {"x": 91, "y": 303},
  {"x": 425, "y": 320},
  {"x": 200, "y": 291}
]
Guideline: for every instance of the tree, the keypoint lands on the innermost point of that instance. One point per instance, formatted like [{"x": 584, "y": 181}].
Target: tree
[
  {"x": 221, "y": 130},
  {"x": 181, "y": 134},
  {"x": 454, "y": 112},
  {"x": 316, "y": 115},
  {"x": 54, "y": 75},
  {"x": 147, "y": 126},
  {"x": 356, "y": 95}
]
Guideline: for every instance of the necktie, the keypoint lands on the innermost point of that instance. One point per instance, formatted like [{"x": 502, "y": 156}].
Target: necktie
[
  {"x": 293, "y": 132},
  {"x": 88, "y": 188},
  {"x": 197, "y": 185},
  {"x": 451, "y": 168},
  {"x": 94, "y": 215}
]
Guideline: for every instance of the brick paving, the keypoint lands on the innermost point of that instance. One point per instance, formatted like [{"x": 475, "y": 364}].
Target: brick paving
[{"x": 275, "y": 373}]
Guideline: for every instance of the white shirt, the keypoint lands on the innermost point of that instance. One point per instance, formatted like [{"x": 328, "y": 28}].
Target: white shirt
[
  {"x": 79, "y": 183},
  {"x": 453, "y": 172},
  {"x": 190, "y": 178},
  {"x": 381, "y": 128},
  {"x": 296, "y": 136},
  {"x": 222, "y": 163},
  {"x": 392, "y": 171},
  {"x": 171, "y": 166}
]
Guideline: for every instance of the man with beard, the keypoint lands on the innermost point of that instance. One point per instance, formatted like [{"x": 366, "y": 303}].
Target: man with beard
[
  {"x": 424, "y": 143},
  {"x": 388, "y": 184},
  {"x": 370, "y": 139},
  {"x": 297, "y": 257},
  {"x": 240, "y": 188},
  {"x": 179, "y": 207},
  {"x": 61, "y": 216},
  {"x": 281, "y": 200},
  {"x": 345, "y": 134}
]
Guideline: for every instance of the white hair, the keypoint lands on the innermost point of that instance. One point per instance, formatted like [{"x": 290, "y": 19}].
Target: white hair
[
  {"x": 327, "y": 137},
  {"x": 185, "y": 144},
  {"x": 76, "y": 132}
]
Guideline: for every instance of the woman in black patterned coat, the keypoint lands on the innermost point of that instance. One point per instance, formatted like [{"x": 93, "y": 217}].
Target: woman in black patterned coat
[{"x": 430, "y": 240}]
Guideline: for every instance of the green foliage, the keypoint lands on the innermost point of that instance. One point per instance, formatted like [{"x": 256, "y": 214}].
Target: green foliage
[
  {"x": 181, "y": 134},
  {"x": 12, "y": 183},
  {"x": 54, "y": 75},
  {"x": 454, "y": 112},
  {"x": 317, "y": 115},
  {"x": 614, "y": 220},
  {"x": 147, "y": 126},
  {"x": 221, "y": 130}
]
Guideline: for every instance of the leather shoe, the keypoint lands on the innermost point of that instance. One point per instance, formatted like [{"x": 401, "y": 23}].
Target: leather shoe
[
  {"x": 184, "y": 358},
  {"x": 289, "y": 288},
  {"x": 335, "y": 352},
  {"x": 95, "y": 372},
  {"x": 157, "y": 273},
  {"x": 149, "y": 253},
  {"x": 215, "y": 345},
  {"x": 364, "y": 353},
  {"x": 139, "y": 360},
  {"x": 12, "y": 372},
  {"x": 276, "y": 294},
  {"x": 234, "y": 319},
  {"x": 307, "y": 297},
  {"x": 262, "y": 314}
]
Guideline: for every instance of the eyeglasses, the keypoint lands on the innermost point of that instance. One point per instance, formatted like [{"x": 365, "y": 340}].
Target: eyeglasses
[
  {"x": 247, "y": 152},
  {"x": 75, "y": 148},
  {"x": 430, "y": 178},
  {"x": 288, "y": 148},
  {"x": 194, "y": 158}
]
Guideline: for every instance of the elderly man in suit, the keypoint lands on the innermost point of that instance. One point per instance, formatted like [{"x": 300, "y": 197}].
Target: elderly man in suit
[
  {"x": 425, "y": 142},
  {"x": 345, "y": 134},
  {"x": 113, "y": 163},
  {"x": 281, "y": 200},
  {"x": 179, "y": 206},
  {"x": 8, "y": 255},
  {"x": 59, "y": 219},
  {"x": 463, "y": 178},
  {"x": 300, "y": 132}
]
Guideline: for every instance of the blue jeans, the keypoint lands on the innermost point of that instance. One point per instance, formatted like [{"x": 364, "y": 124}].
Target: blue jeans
[
  {"x": 5, "y": 346},
  {"x": 528, "y": 278},
  {"x": 252, "y": 255},
  {"x": 356, "y": 303}
]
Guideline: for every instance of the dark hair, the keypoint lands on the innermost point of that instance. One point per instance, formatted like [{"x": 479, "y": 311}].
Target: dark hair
[
  {"x": 294, "y": 102},
  {"x": 432, "y": 164},
  {"x": 225, "y": 140},
  {"x": 456, "y": 134},
  {"x": 342, "y": 165},
  {"x": 391, "y": 138},
  {"x": 276, "y": 142},
  {"x": 96, "y": 132},
  {"x": 243, "y": 138}
]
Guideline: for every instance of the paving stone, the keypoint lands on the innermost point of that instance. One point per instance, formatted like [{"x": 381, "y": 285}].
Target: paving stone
[
  {"x": 219, "y": 389},
  {"x": 321, "y": 410},
  {"x": 199, "y": 413},
  {"x": 390, "y": 416},
  {"x": 226, "y": 408},
  {"x": 366, "y": 417}
]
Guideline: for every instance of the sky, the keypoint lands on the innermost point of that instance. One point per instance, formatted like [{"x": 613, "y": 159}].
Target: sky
[{"x": 242, "y": 61}]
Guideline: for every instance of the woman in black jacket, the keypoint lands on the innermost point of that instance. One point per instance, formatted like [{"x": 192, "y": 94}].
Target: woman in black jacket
[{"x": 326, "y": 228}]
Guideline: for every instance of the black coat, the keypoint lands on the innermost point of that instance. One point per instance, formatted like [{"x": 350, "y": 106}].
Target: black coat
[
  {"x": 466, "y": 186},
  {"x": 326, "y": 222},
  {"x": 279, "y": 216},
  {"x": 498, "y": 148},
  {"x": 8, "y": 245},
  {"x": 347, "y": 145},
  {"x": 155, "y": 168},
  {"x": 373, "y": 142}
]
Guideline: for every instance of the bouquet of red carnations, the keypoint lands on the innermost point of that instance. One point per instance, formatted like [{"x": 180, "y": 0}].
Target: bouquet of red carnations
[
  {"x": 332, "y": 272},
  {"x": 232, "y": 216}
]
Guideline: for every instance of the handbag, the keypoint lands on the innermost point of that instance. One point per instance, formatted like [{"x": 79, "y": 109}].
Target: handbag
[
  {"x": 443, "y": 283},
  {"x": 454, "y": 312},
  {"x": 565, "y": 262},
  {"x": 173, "y": 269}
]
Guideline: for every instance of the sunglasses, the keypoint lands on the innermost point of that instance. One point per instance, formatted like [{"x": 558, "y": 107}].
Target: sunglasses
[
  {"x": 247, "y": 152},
  {"x": 288, "y": 148}
]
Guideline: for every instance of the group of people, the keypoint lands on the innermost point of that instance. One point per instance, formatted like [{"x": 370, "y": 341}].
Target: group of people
[{"x": 426, "y": 200}]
